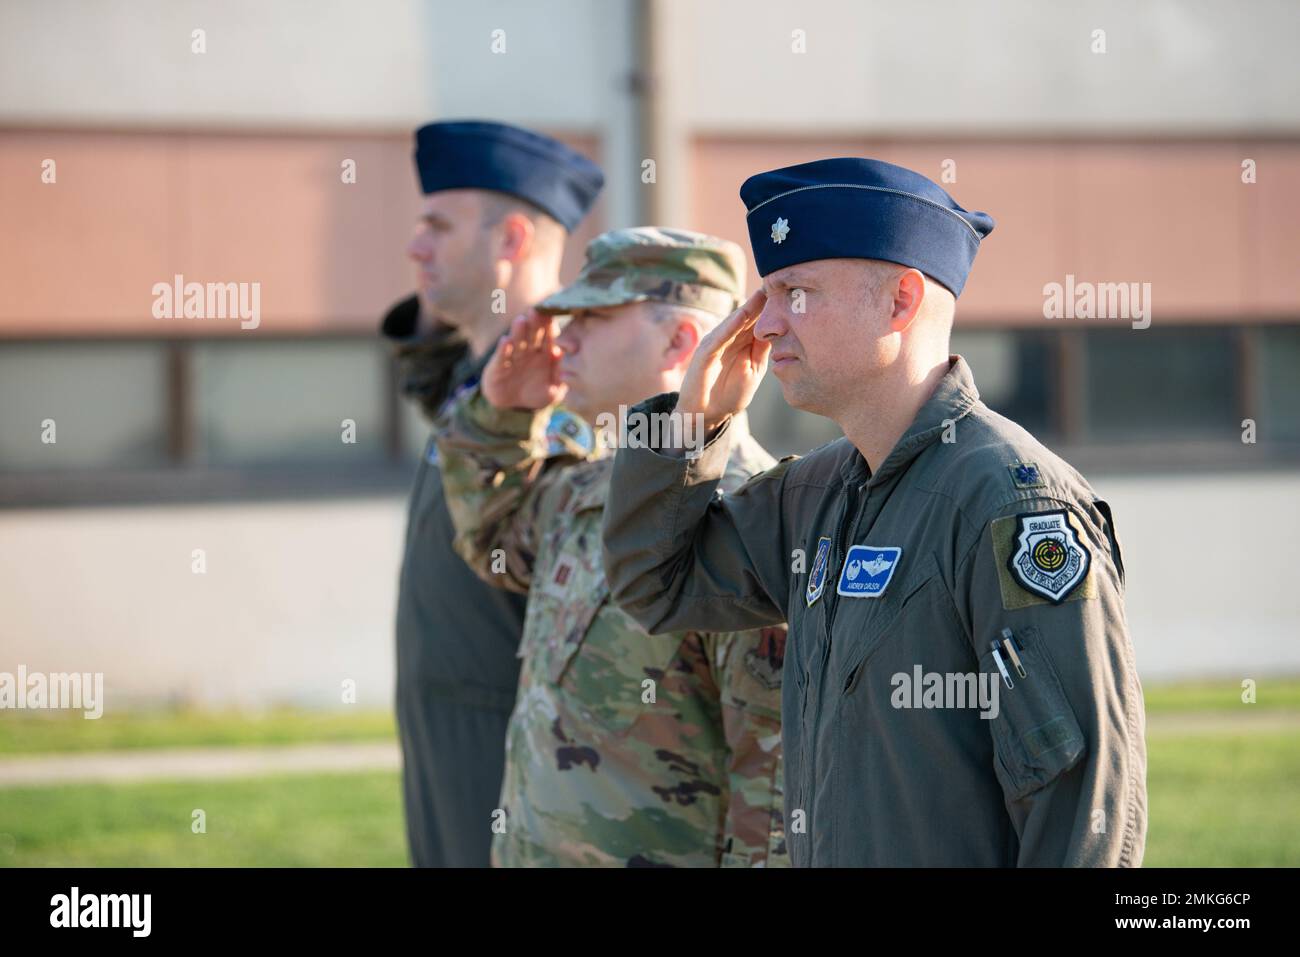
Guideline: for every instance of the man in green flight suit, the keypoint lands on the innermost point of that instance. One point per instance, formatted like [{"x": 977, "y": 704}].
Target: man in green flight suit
[
  {"x": 624, "y": 749},
  {"x": 960, "y": 683},
  {"x": 499, "y": 204}
]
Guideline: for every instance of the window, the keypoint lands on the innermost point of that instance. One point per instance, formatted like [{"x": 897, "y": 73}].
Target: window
[
  {"x": 1015, "y": 372},
  {"x": 106, "y": 402},
  {"x": 1279, "y": 385},
  {"x": 284, "y": 402},
  {"x": 1162, "y": 384}
]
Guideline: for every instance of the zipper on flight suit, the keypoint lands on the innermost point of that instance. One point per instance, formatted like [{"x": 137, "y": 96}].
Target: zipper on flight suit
[{"x": 851, "y": 510}]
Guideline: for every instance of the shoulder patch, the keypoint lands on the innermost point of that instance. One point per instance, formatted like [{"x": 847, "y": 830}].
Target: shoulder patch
[
  {"x": 1041, "y": 559},
  {"x": 567, "y": 432}
]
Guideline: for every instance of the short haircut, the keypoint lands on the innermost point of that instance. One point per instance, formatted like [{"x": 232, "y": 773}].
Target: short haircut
[
  {"x": 661, "y": 311},
  {"x": 497, "y": 206}
]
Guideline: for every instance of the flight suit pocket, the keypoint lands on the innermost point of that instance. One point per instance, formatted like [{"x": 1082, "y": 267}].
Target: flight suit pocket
[
  {"x": 881, "y": 620},
  {"x": 1036, "y": 736}
]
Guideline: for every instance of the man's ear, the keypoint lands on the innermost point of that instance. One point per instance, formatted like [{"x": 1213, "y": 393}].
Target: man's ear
[
  {"x": 909, "y": 293},
  {"x": 681, "y": 345},
  {"x": 517, "y": 237}
]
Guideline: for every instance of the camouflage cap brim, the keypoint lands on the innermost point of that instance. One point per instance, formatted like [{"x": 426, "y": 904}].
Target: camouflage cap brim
[
  {"x": 581, "y": 295},
  {"x": 603, "y": 289}
]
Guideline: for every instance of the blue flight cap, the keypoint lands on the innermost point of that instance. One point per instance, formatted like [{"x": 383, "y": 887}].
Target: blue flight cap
[
  {"x": 855, "y": 208},
  {"x": 475, "y": 154}
]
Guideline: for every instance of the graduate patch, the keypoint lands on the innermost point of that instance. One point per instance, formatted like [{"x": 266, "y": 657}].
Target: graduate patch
[
  {"x": 817, "y": 577},
  {"x": 867, "y": 571},
  {"x": 1048, "y": 560}
]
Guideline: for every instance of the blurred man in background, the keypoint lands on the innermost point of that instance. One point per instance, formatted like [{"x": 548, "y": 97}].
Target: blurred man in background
[{"x": 499, "y": 204}]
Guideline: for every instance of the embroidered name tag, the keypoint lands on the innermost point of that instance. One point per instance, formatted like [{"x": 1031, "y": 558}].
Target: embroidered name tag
[{"x": 868, "y": 571}]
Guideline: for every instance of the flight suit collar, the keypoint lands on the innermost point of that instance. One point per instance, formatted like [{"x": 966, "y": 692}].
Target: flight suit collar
[{"x": 953, "y": 397}]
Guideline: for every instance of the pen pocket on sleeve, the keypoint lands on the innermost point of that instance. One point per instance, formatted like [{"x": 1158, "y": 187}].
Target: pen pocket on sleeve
[{"x": 1036, "y": 736}]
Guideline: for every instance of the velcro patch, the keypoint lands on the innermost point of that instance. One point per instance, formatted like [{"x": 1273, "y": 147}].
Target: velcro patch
[
  {"x": 1041, "y": 559},
  {"x": 868, "y": 570}
]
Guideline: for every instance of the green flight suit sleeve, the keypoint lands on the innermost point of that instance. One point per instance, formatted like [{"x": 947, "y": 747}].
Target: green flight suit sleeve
[
  {"x": 747, "y": 669},
  {"x": 1069, "y": 738},
  {"x": 497, "y": 472},
  {"x": 680, "y": 557}
]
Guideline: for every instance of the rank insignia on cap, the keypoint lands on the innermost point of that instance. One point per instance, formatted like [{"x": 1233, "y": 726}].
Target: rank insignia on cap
[
  {"x": 1025, "y": 475},
  {"x": 780, "y": 229},
  {"x": 867, "y": 571},
  {"x": 1049, "y": 560},
  {"x": 817, "y": 577}
]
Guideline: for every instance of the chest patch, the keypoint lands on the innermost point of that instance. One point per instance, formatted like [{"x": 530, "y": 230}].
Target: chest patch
[
  {"x": 868, "y": 570},
  {"x": 817, "y": 577}
]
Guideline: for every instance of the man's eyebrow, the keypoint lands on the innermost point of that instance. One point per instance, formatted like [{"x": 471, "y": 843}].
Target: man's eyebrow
[{"x": 790, "y": 279}]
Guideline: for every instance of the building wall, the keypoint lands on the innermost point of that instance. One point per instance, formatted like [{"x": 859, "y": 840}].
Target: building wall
[{"x": 224, "y": 166}]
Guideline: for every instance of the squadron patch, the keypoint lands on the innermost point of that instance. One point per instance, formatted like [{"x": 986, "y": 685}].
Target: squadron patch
[
  {"x": 817, "y": 577},
  {"x": 867, "y": 571},
  {"x": 1049, "y": 560}
]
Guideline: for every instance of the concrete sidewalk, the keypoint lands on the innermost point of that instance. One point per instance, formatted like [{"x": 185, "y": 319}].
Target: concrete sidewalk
[{"x": 182, "y": 764}]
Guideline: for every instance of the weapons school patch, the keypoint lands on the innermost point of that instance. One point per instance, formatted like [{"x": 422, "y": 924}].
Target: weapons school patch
[
  {"x": 867, "y": 571},
  {"x": 817, "y": 577},
  {"x": 1041, "y": 553}
]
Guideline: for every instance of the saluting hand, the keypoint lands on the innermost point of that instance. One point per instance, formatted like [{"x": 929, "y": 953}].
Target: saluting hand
[
  {"x": 727, "y": 367},
  {"x": 524, "y": 371}
]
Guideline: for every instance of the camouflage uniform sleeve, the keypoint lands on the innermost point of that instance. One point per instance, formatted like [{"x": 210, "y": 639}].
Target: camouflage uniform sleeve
[
  {"x": 496, "y": 473},
  {"x": 747, "y": 669},
  {"x": 425, "y": 360},
  {"x": 1069, "y": 737},
  {"x": 679, "y": 557}
]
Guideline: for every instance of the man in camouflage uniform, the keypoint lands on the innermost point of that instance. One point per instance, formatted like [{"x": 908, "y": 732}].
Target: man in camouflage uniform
[{"x": 624, "y": 749}]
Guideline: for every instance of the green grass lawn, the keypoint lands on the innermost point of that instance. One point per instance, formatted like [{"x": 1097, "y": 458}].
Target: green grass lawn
[
  {"x": 1216, "y": 798},
  {"x": 45, "y": 732},
  {"x": 340, "y": 820}
]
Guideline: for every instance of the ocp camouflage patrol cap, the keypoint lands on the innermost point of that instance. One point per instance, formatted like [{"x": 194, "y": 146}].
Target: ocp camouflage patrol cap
[{"x": 654, "y": 264}]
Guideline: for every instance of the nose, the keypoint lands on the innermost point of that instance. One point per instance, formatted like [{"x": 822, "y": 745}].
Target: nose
[
  {"x": 771, "y": 321},
  {"x": 567, "y": 340},
  {"x": 419, "y": 248}
]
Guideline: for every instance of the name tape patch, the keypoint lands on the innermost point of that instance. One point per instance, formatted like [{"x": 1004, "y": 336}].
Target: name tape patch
[{"x": 868, "y": 570}]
